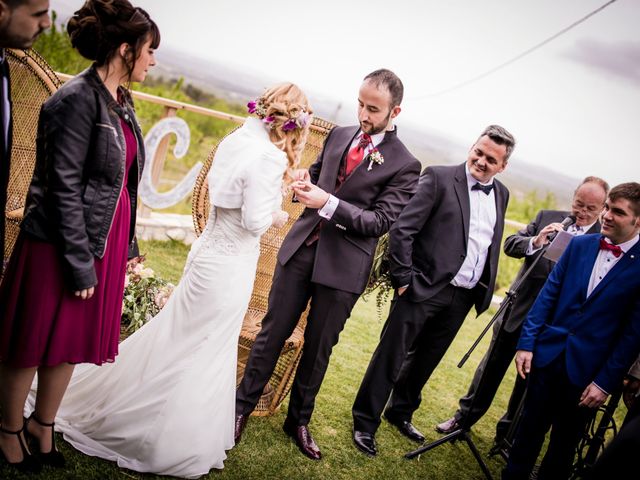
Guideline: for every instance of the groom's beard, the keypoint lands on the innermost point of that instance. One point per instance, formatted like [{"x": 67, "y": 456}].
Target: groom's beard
[{"x": 372, "y": 129}]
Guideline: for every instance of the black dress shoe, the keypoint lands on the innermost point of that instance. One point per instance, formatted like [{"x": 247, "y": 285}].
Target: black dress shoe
[
  {"x": 407, "y": 429},
  {"x": 365, "y": 442},
  {"x": 241, "y": 422},
  {"x": 302, "y": 436},
  {"x": 448, "y": 426}
]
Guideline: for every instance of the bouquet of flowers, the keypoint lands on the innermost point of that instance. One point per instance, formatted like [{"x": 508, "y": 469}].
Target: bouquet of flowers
[
  {"x": 379, "y": 277},
  {"x": 144, "y": 295}
]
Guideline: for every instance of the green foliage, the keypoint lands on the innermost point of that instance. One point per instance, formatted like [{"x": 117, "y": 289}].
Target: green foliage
[
  {"x": 145, "y": 294},
  {"x": 54, "y": 45}
]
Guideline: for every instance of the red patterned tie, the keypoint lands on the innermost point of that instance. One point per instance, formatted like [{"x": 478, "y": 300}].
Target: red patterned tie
[
  {"x": 615, "y": 249},
  {"x": 356, "y": 154}
]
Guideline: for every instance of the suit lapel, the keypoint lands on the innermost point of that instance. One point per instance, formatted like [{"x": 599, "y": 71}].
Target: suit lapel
[
  {"x": 339, "y": 149},
  {"x": 591, "y": 254},
  {"x": 462, "y": 192},
  {"x": 382, "y": 147},
  {"x": 626, "y": 261},
  {"x": 595, "y": 228}
]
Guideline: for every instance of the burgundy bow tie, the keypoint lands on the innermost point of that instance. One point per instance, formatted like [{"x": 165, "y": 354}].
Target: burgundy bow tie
[{"x": 615, "y": 249}]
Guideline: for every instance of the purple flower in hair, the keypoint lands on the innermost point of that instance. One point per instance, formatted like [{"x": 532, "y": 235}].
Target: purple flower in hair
[
  {"x": 251, "y": 107},
  {"x": 268, "y": 119},
  {"x": 289, "y": 125}
]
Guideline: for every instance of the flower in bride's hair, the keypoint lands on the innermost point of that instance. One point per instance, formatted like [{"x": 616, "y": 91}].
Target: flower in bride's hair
[
  {"x": 269, "y": 120},
  {"x": 289, "y": 125},
  {"x": 257, "y": 107}
]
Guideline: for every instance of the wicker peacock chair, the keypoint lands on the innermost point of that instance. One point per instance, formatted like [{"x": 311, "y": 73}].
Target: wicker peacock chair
[
  {"x": 282, "y": 377},
  {"x": 32, "y": 82}
]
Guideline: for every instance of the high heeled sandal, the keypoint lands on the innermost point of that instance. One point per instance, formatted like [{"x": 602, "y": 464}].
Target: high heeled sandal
[
  {"x": 53, "y": 457},
  {"x": 29, "y": 463}
]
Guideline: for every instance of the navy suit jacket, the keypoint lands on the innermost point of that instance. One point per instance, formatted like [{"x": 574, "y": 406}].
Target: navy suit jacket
[{"x": 599, "y": 335}]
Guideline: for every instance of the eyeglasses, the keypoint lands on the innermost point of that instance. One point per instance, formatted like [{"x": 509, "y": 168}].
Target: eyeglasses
[{"x": 581, "y": 207}]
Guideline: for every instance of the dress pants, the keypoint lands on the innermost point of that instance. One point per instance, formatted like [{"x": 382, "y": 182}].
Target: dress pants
[
  {"x": 551, "y": 402},
  {"x": 413, "y": 341},
  {"x": 291, "y": 290},
  {"x": 487, "y": 379}
]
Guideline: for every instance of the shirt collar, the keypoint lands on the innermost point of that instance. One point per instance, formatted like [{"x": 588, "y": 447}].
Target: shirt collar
[
  {"x": 471, "y": 180},
  {"x": 625, "y": 246}
]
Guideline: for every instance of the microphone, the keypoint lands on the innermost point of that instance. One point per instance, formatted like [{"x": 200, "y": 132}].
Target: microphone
[{"x": 566, "y": 223}]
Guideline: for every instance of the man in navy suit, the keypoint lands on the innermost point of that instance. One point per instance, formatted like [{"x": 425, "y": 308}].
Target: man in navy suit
[
  {"x": 356, "y": 189},
  {"x": 580, "y": 337},
  {"x": 443, "y": 252}
]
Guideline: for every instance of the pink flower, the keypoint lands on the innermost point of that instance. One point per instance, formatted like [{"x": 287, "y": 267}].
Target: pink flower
[{"x": 251, "y": 107}]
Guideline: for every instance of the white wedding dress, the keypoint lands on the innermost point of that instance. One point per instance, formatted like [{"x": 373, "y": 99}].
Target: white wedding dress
[{"x": 167, "y": 404}]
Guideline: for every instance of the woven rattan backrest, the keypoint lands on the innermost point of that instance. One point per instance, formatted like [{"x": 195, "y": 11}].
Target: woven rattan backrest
[
  {"x": 272, "y": 239},
  {"x": 32, "y": 82}
]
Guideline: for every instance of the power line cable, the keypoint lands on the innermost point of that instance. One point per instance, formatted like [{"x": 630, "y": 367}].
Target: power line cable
[{"x": 517, "y": 57}]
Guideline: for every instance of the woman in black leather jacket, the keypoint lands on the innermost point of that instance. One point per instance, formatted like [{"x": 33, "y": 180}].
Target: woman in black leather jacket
[{"x": 61, "y": 297}]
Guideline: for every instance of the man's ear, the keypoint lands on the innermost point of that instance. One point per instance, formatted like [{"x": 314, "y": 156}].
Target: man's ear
[
  {"x": 395, "y": 111},
  {"x": 5, "y": 11}
]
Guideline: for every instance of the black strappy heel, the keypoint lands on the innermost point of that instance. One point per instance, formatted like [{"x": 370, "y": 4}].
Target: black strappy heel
[
  {"x": 53, "y": 457},
  {"x": 28, "y": 464}
]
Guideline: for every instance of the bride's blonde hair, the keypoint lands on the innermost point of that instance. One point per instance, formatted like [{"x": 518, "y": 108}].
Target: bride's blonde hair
[{"x": 286, "y": 110}]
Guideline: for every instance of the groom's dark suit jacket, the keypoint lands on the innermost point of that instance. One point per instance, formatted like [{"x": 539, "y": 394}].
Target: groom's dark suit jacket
[
  {"x": 428, "y": 243},
  {"x": 369, "y": 202}
]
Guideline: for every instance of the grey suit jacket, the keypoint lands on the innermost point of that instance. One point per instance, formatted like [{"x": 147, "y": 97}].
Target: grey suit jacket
[
  {"x": 516, "y": 246},
  {"x": 369, "y": 202},
  {"x": 428, "y": 243}
]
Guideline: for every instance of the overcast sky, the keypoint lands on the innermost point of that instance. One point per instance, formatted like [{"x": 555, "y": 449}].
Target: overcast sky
[{"x": 573, "y": 105}]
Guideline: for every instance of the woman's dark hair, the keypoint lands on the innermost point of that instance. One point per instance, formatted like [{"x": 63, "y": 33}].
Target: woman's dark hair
[{"x": 99, "y": 28}]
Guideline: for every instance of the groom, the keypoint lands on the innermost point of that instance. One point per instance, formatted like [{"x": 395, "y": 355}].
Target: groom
[{"x": 352, "y": 194}]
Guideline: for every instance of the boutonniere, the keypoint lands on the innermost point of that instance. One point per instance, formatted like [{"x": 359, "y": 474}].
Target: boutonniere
[{"x": 375, "y": 157}]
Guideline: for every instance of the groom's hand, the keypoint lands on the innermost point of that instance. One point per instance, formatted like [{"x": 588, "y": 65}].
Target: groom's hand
[{"x": 309, "y": 194}]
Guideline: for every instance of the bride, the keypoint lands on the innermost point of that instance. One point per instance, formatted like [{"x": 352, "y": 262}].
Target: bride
[{"x": 167, "y": 404}]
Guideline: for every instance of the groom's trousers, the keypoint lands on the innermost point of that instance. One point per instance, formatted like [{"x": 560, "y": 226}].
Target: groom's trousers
[{"x": 291, "y": 290}]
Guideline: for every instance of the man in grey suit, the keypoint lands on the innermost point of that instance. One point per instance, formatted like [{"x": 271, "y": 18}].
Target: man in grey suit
[
  {"x": 443, "y": 253},
  {"x": 588, "y": 201},
  {"x": 356, "y": 189}
]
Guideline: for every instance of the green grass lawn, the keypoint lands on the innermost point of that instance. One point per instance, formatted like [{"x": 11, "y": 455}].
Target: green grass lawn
[{"x": 266, "y": 453}]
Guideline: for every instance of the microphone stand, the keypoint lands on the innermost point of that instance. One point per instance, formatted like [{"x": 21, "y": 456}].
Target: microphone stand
[{"x": 462, "y": 433}]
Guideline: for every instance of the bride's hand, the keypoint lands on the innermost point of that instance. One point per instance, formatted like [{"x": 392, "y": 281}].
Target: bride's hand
[{"x": 279, "y": 218}]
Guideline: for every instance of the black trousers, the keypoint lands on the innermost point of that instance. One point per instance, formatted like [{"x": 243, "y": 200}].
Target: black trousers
[
  {"x": 551, "y": 402},
  {"x": 487, "y": 379},
  {"x": 413, "y": 341},
  {"x": 291, "y": 290}
]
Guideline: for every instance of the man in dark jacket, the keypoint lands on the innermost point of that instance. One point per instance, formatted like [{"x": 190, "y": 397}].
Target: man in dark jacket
[
  {"x": 353, "y": 193},
  {"x": 21, "y": 21},
  {"x": 588, "y": 201},
  {"x": 443, "y": 252}
]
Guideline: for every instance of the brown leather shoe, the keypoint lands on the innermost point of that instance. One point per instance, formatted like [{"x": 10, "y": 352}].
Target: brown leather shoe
[
  {"x": 302, "y": 436},
  {"x": 241, "y": 422},
  {"x": 448, "y": 426}
]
